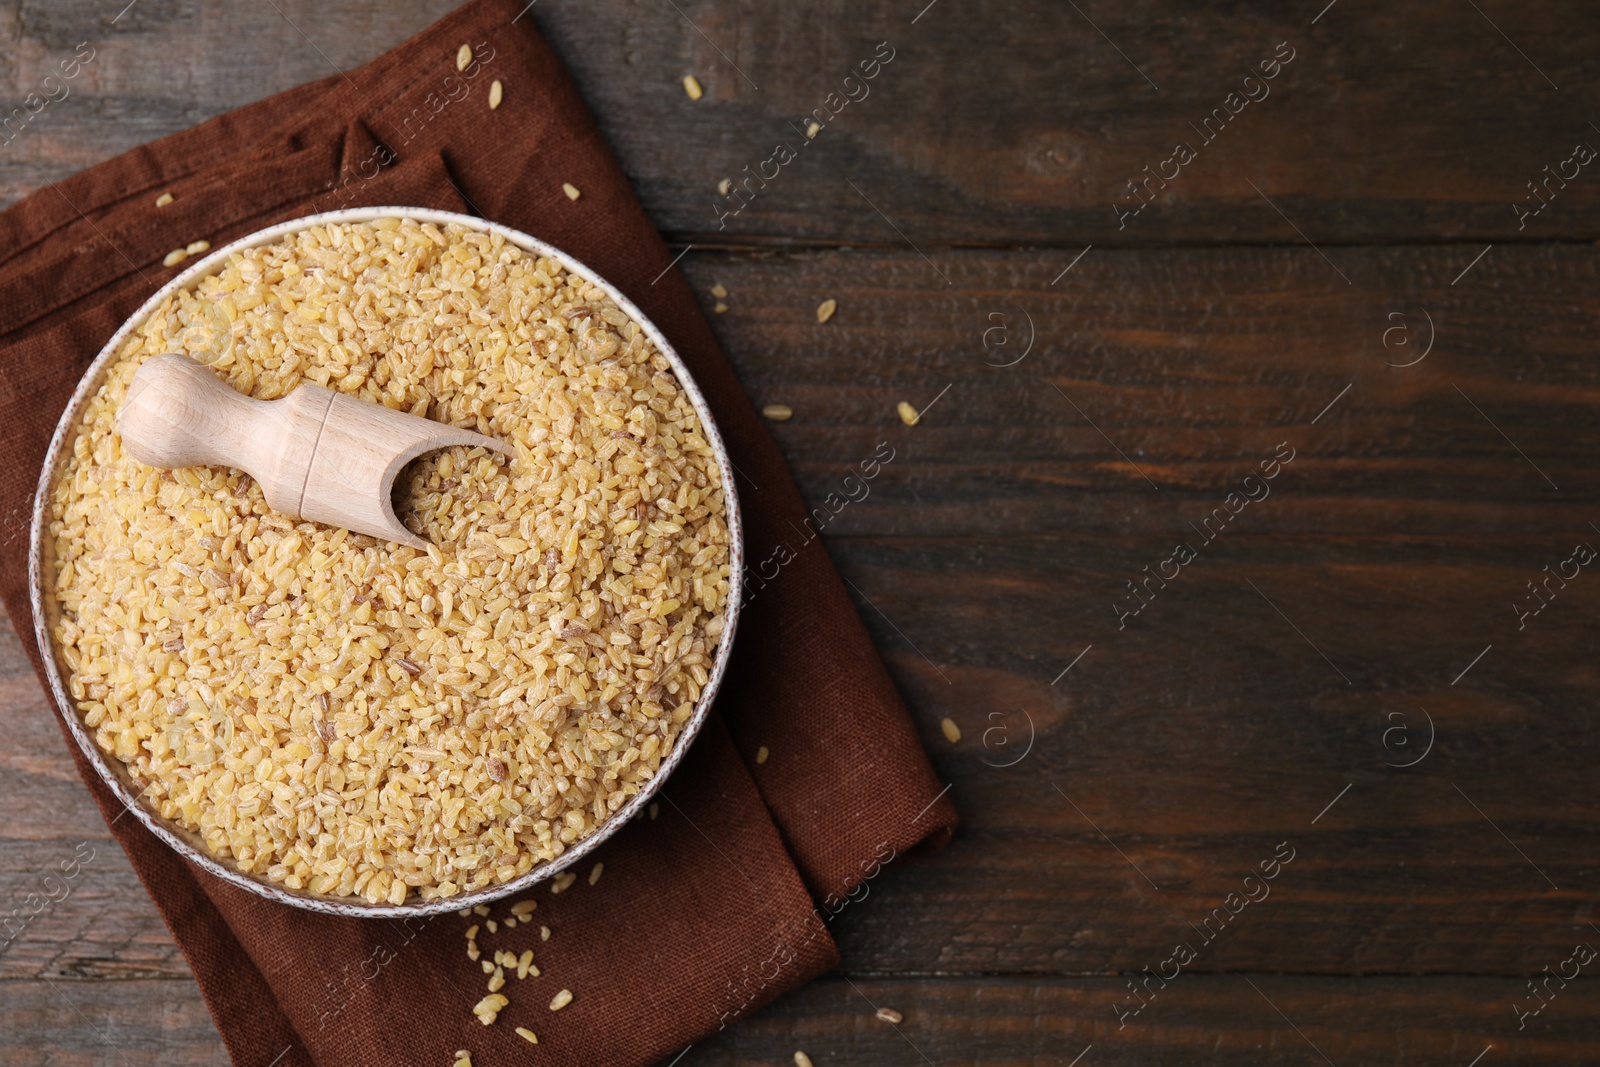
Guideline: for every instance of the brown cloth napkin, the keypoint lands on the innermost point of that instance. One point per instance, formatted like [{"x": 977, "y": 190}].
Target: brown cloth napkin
[{"x": 704, "y": 913}]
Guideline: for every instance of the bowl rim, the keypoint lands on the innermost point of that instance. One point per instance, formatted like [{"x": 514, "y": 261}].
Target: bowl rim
[{"x": 115, "y": 774}]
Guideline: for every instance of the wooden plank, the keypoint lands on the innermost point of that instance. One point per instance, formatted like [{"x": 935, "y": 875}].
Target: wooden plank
[
  {"x": 1020, "y": 124},
  {"x": 107, "y": 1024},
  {"x": 1197, "y": 1019},
  {"x": 1194, "y": 363},
  {"x": 1214, "y": 1020}
]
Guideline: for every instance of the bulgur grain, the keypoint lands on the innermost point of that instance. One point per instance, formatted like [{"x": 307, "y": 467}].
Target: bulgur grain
[
  {"x": 724, "y": 185},
  {"x": 488, "y": 1009},
  {"x": 908, "y": 414},
  {"x": 389, "y": 793},
  {"x": 527, "y": 1035},
  {"x": 719, "y": 290},
  {"x": 544, "y": 933},
  {"x": 571, "y": 190},
  {"x": 802, "y": 1060},
  {"x": 561, "y": 1000},
  {"x": 163, "y": 200},
  {"x": 562, "y": 881},
  {"x": 778, "y": 412},
  {"x": 594, "y": 875},
  {"x": 889, "y": 1015},
  {"x": 691, "y": 85},
  {"x": 464, "y": 57},
  {"x": 196, "y": 247},
  {"x": 761, "y": 754},
  {"x": 497, "y": 93},
  {"x": 826, "y": 309},
  {"x": 174, "y": 257},
  {"x": 952, "y": 732}
]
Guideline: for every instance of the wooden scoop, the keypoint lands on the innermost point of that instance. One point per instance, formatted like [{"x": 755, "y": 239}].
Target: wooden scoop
[{"x": 317, "y": 454}]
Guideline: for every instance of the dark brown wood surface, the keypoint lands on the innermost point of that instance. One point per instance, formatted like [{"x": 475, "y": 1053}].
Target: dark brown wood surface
[{"x": 1083, "y": 415}]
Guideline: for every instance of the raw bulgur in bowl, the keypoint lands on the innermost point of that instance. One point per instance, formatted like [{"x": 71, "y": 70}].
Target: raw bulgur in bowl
[{"x": 357, "y": 726}]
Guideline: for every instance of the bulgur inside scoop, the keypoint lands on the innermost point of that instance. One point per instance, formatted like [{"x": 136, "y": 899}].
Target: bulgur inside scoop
[{"x": 351, "y": 717}]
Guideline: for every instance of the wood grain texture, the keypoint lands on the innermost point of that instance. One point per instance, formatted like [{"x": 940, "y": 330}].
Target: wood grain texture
[
  {"x": 1017, "y": 122},
  {"x": 1270, "y": 694},
  {"x": 954, "y": 1022}
]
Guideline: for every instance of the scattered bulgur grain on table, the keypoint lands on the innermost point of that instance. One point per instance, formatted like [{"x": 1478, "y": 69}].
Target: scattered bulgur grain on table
[
  {"x": 174, "y": 257},
  {"x": 594, "y": 875},
  {"x": 491, "y": 926},
  {"x": 812, "y": 129},
  {"x": 562, "y": 881},
  {"x": 720, "y": 308},
  {"x": 761, "y": 754},
  {"x": 691, "y": 85},
  {"x": 719, "y": 290},
  {"x": 544, "y": 933},
  {"x": 450, "y": 320},
  {"x": 510, "y": 922},
  {"x": 497, "y": 980},
  {"x": 463, "y": 1058},
  {"x": 561, "y": 1000},
  {"x": 908, "y": 414},
  {"x": 497, "y": 93},
  {"x": 952, "y": 732},
  {"x": 464, "y": 57},
  {"x": 196, "y": 247},
  {"x": 889, "y": 1015},
  {"x": 802, "y": 1060},
  {"x": 163, "y": 200},
  {"x": 826, "y": 309},
  {"x": 778, "y": 412},
  {"x": 523, "y": 908},
  {"x": 527, "y": 1035},
  {"x": 723, "y": 186},
  {"x": 472, "y": 931},
  {"x": 571, "y": 190},
  {"x": 481, "y": 910}
]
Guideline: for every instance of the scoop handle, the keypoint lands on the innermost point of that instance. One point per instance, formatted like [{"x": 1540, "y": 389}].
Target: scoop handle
[{"x": 177, "y": 413}]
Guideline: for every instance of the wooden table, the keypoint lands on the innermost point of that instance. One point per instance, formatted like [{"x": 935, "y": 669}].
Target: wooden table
[{"x": 1342, "y": 664}]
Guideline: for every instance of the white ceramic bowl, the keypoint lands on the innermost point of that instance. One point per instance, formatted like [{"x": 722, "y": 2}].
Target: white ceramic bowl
[{"x": 42, "y": 575}]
